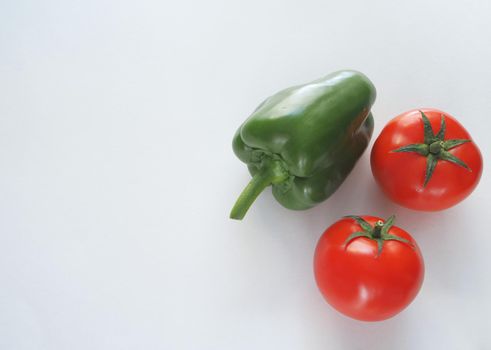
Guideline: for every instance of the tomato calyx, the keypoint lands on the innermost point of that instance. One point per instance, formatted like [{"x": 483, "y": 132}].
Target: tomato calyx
[
  {"x": 379, "y": 232},
  {"x": 435, "y": 148}
]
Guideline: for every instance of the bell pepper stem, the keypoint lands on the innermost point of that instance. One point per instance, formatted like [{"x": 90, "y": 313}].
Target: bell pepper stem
[{"x": 272, "y": 173}]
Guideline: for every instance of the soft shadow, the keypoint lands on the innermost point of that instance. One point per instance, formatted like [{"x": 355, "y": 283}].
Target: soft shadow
[{"x": 388, "y": 334}]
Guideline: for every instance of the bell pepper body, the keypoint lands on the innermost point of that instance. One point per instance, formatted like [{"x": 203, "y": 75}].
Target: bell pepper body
[{"x": 305, "y": 140}]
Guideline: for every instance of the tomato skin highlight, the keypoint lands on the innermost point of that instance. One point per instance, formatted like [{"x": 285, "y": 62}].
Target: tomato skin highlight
[
  {"x": 401, "y": 175},
  {"x": 358, "y": 282}
]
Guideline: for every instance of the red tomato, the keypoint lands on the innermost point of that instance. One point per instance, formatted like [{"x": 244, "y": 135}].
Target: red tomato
[
  {"x": 407, "y": 177},
  {"x": 361, "y": 279}
]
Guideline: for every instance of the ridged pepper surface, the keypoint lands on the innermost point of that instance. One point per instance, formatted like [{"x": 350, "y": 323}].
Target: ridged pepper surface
[{"x": 305, "y": 140}]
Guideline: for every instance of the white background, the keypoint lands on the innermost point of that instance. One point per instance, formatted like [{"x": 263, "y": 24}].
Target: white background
[{"x": 117, "y": 174}]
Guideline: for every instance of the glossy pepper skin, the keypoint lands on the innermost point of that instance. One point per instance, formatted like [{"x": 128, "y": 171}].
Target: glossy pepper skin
[{"x": 305, "y": 140}]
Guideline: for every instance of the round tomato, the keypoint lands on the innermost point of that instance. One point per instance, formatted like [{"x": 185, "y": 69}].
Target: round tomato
[
  {"x": 426, "y": 160},
  {"x": 368, "y": 269}
]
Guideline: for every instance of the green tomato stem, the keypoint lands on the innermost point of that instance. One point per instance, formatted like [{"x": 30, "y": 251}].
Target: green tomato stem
[
  {"x": 377, "y": 230},
  {"x": 436, "y": 147}
]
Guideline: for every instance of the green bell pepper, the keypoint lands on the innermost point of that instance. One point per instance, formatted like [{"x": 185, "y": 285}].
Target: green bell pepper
[{"x": 305, "y": 140}]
